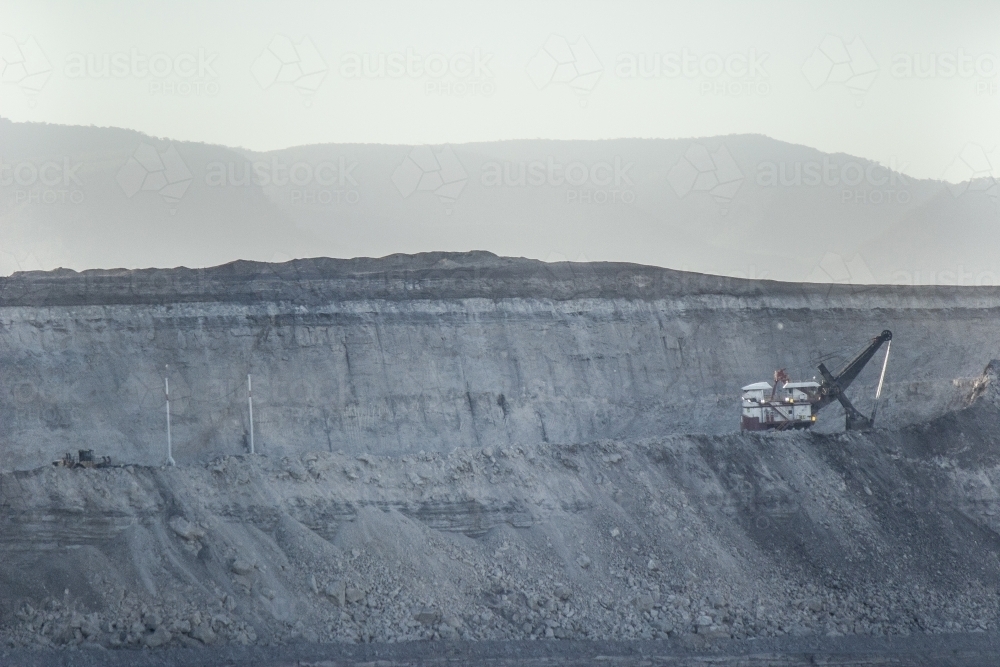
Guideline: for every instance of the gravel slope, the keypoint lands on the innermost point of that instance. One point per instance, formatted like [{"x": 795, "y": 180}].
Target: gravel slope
[{"x": 694, "y": 538}]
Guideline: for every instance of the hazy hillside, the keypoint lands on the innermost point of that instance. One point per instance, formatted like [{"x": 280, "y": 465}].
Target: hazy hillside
[{"x": 740, "y": 205}]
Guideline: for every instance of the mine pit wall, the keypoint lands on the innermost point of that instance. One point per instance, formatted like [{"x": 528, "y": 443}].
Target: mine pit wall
[{"x": 389, "y": 376}]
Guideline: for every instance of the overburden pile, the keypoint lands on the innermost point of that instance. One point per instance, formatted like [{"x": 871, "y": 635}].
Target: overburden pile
[{"x": 678, "y": 538}]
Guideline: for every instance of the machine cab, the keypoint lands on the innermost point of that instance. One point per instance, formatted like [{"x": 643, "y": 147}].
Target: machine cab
[
  {"x": 800, "y": 392},
  {"x": 754, "y": 394}
]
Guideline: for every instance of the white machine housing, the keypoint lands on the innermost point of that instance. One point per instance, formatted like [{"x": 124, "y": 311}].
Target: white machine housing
[{"x": 788, "y": 406}]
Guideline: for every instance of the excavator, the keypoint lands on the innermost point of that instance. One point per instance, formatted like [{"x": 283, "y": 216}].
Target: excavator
[{"x": 794, "y": 405}]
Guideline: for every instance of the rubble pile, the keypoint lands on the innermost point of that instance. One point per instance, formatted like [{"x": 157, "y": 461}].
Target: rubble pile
[{"x": 695, "y": 538}]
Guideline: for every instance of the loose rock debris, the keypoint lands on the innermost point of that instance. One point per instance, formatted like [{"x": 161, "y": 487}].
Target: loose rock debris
[{"x": 703, "y": 537}]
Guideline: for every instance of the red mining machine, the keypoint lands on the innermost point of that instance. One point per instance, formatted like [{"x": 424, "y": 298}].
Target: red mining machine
[{"x": 794, "y": 405}]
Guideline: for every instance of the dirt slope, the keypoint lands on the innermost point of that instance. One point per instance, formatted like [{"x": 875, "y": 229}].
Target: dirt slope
[{"x": 707, "y": 537}]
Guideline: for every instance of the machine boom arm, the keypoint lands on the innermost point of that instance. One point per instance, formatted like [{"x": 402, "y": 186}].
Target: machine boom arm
[{"x": 833, "y": 386}]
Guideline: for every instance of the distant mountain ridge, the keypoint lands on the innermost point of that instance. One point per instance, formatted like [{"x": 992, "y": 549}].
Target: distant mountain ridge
[{"x": 743, "y": 205}]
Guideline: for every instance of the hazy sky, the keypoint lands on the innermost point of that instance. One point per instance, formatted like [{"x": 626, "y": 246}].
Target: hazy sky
[{"x": 907, "y": 84}]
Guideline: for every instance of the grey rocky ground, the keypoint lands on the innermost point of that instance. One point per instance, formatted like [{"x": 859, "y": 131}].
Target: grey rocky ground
[
  {"x": 951, "y": 650},
  {"x": 707, "y": 538},
  {"x": 462, "y": 449}
]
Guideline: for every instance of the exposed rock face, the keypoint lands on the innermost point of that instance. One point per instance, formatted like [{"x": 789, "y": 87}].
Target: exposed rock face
[
  {"x": 436, "y": 351},
  {"x": 470, "y": 447}
]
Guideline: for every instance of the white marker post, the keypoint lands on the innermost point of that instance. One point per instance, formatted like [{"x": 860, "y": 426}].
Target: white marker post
[
  {"x": 881, "y": 379},
  {"x": 250, "y": 403},
  {"x": 166, "y": 391}
]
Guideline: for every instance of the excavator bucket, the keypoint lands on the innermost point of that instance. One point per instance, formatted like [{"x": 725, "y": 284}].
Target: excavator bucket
[{"x": 834, "y": 386}]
